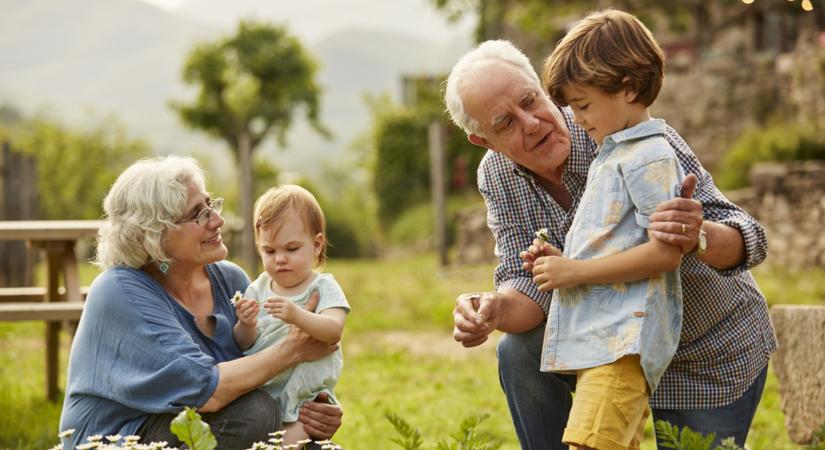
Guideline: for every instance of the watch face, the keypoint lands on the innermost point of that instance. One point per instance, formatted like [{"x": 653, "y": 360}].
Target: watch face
[{"x": 703, "y": 241}]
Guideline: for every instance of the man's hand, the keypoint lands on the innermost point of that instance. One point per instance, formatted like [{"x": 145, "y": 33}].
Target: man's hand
[
  {"x": 538, "y": 249},
  {"x": 282, "y": 308},
  {"x": 320, "y": 419},
  {"x": 475, "y": 316},
  {"x": 677, "y": 221},
  {"x": 552, "y": 272},
  {"x": 247, "y": 312}
]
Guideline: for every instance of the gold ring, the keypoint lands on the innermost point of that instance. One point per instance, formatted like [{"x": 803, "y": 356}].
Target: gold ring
[{"x": 684, "y": 229}]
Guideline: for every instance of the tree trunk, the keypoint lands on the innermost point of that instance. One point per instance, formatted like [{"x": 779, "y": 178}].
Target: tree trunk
[{"x": 247, "y": 255}]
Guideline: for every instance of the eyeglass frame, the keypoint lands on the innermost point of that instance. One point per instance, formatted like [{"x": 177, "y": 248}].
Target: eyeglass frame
[{"x": 215, "y": 205}]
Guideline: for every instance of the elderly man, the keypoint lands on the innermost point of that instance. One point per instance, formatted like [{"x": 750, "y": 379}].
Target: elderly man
[{"x": 532, "y": 177}]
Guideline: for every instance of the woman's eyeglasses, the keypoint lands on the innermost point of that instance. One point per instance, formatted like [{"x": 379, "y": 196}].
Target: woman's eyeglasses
[{"x": 205, "y": 214}]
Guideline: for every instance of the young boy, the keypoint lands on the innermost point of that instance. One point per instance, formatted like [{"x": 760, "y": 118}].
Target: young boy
[{"x": 616, "y": 313}]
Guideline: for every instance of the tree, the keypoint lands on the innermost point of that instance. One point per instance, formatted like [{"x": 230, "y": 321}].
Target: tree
[
  {"x": 76, "y": 168},
  {"x": 250, "y": 87}
]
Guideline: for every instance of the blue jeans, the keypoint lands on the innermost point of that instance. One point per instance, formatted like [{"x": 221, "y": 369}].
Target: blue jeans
[
  {"x": 540, "y": 402},
  {"x": 733, "y": 420},
  {"x": 248, "y": 419}
]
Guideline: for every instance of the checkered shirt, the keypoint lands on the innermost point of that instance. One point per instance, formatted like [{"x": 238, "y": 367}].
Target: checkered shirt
[{"x": 727, "y": 336}]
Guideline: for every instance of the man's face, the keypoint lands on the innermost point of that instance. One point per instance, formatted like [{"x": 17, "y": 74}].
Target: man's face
[{"x": 516, "y": 118}]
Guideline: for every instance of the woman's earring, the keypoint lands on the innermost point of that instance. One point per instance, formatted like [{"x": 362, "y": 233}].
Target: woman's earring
[{"x": 163, "y": 267}]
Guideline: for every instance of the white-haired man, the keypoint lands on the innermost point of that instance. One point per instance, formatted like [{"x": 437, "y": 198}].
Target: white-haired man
[{"x": 532, "y": 177}]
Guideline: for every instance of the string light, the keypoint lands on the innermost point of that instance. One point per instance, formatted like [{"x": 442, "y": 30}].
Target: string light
[{"x": 806, "y": 4}]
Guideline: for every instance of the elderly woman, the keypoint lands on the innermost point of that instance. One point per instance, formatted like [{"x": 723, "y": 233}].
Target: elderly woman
[{"x": 156, "y": 332}]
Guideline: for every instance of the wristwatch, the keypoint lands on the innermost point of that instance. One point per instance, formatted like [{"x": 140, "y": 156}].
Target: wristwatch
[{"x": 702, "y": 245}]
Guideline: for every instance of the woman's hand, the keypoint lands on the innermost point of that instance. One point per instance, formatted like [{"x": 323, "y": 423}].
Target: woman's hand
[{"x": 320, "y": 419}]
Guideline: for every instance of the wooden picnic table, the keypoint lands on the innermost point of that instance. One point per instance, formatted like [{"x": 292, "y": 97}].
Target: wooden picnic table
[{"x": 58, "y": 239}]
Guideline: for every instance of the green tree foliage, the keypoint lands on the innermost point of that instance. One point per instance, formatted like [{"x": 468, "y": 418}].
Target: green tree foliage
[
  {"x": 777, "y": 142},
  {"x": 76, "y": 168},
  {"x": 401, "y": 176},
  {"x": 401, "y": 163},
  {"x": 250, "y": 85}
]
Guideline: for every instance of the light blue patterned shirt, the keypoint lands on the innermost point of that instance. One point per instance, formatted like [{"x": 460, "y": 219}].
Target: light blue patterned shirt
[{"x": 595, "y": 324}]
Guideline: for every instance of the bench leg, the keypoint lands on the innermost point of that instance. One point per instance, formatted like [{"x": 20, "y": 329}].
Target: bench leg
[{"x": 52, "y": 358}]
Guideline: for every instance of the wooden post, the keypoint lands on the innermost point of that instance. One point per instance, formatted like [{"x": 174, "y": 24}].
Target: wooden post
[
  {"x": 438, "y": 188},
  {"x": 18, "y": 184},
  {"x": 247, "y": 245}
]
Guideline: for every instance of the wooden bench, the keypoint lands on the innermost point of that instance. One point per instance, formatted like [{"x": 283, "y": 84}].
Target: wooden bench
[
  {"x": 48, "y": 312},
  {"x": 53, "y": 303},
  {"x": 34, "y": 294}
]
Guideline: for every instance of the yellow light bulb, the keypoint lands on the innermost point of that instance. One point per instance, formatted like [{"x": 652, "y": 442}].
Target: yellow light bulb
[
  {"x": 807, "y": 6},
  {"x": 747, "y": 2}
]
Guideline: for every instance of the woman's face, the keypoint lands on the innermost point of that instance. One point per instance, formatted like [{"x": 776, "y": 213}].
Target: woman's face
[{"x": 193, "y": 244}]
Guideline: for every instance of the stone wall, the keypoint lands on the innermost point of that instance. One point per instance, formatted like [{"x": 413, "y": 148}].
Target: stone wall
[
  {"x": 788, "y": 199},
  {"x": 800, "y": 367}
]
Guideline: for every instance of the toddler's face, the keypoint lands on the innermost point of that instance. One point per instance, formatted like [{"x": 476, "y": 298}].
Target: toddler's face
[{"x": 288, "y": 251}]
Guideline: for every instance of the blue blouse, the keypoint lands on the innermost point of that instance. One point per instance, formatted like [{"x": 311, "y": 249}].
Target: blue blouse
[{"x": 137, "y": 351}]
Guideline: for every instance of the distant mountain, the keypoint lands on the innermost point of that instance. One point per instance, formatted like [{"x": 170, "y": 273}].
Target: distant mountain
[{"x": 124, "y": 57}]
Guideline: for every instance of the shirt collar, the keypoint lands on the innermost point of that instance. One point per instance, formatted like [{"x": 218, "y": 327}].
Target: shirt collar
[{"x": 645, "y": 129}]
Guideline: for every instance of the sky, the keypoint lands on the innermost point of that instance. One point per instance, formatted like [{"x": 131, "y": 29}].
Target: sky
[{"x": 313, "y": 20}]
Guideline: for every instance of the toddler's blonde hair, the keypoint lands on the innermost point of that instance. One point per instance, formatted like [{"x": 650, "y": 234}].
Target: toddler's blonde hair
[{"x": 279, "y": 202}]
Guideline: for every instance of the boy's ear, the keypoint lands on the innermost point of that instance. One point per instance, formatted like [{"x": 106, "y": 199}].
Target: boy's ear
[
  {"x": 629, "y": 94},
  {"x": 478, "y": 140}
]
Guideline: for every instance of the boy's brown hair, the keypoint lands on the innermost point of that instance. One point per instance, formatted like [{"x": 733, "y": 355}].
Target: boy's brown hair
[
  {"x": 611, "y": 50},
  {"x": 278, "y": 203}
]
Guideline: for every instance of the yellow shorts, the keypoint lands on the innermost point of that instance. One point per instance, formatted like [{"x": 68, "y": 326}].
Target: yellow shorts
[{"x": 610, "y": 406}]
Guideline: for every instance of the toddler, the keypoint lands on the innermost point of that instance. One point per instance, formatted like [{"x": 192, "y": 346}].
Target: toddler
[{"x": 290, "y": 237}]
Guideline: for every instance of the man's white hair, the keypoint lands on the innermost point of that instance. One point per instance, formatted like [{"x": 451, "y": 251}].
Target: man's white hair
[
  {"x": 466, "y": 69},
  {"x": 143, "y": 204}
]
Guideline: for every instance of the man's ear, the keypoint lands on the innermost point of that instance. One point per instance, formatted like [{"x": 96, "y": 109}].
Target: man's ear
[{"x": 478, "y": 140}]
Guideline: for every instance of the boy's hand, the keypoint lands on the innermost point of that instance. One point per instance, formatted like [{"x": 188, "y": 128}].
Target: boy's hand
[
  {"x": 552, "y": 272},
  {"x": 538, "y": 249},
  {"x": 247, "y": 312},
  {"x": 282, "y": 308}
]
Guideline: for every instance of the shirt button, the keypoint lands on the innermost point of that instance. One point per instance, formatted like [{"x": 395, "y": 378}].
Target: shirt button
[{"x": 638, "y": 314}]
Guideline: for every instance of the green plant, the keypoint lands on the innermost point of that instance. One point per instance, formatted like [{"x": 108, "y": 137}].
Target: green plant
[
  {"x": 469, "y": 437},
  {"x": 687, "y": 439},
  {"x": 818, "y": 440},
  {"x": 192, "y": 431},
  {"x": 777, "y": 142}
]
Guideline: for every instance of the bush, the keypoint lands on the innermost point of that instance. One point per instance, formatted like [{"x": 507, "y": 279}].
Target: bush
[{"x": 778, "y": 142}]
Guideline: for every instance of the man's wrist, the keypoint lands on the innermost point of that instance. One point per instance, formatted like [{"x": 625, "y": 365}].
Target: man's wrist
[{"x": 701, "y": 244}]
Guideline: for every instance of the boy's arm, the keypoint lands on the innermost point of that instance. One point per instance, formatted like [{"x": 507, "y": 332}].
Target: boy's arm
[
  {"x": 640, "y": 262},
  {"x": 326, "y": 326}
]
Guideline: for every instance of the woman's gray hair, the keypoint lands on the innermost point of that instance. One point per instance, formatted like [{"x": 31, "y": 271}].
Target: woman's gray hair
[
  {"x": 144, "y": 202},
  {"x": 489, "y": 51}
]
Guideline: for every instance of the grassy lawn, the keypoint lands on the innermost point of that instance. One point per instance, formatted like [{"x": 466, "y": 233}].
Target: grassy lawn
[{"x": 399, "y": 358}]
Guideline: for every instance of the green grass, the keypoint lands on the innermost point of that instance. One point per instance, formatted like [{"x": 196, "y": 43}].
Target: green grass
[{"x": 399, "y": 357}]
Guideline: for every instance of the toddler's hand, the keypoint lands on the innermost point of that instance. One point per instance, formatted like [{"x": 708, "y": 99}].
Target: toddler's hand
[
  {"x": 281, "y": 308},
  {"x": 247, "y": 312}
]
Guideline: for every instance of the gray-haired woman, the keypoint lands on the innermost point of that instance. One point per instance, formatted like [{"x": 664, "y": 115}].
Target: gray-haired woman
[{"x": 156, "y": 332}]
